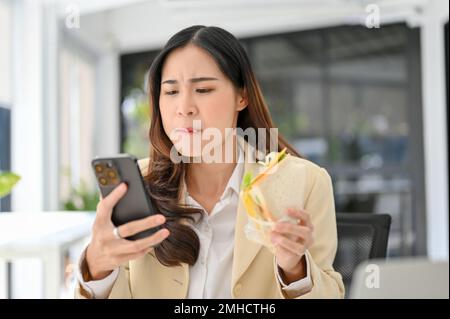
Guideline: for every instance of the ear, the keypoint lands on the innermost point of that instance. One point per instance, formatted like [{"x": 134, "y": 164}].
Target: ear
[{"x": 242, "y": 100}]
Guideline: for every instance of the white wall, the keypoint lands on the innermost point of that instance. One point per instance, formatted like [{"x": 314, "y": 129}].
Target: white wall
[
  {"x": 435, "y": 127},
  {"x": 51, "y": 47},
  {"x": 27, "y": 129}
]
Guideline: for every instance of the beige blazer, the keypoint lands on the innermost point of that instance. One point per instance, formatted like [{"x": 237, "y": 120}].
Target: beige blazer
[{"x": 253, "y": 270}]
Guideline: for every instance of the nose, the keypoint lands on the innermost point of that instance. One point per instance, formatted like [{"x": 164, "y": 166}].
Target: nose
[{"x": 186, "y": 106}]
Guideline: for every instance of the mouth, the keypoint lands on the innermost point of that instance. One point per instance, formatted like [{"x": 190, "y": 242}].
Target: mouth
[{"x": 188, "y": 130}]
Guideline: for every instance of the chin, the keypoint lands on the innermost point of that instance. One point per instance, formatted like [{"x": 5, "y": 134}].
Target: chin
[{"x": 187, "y": 150}]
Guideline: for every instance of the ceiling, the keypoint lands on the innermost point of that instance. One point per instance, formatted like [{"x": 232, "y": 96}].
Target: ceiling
[{"x": 137, "y": 25}]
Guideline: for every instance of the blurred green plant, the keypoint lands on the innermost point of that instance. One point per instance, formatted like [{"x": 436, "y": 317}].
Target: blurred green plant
[
  {"x": 81, "y": 199},
  {"x": 137, "y": 126},
  {"x": 7, "y": 181}
]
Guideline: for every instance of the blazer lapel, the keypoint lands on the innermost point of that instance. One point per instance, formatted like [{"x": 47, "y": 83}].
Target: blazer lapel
[{"x": 245, "y": 250}]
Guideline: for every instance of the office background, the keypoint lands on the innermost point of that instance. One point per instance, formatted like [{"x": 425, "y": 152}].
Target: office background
[{"x": 367, "y": 103}]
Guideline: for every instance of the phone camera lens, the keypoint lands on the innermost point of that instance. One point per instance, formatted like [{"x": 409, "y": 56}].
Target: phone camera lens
[
  {"x": 103, "y": 181},
  {"x": 112, "y": 174},
  {"x": 98, "y": 168}
]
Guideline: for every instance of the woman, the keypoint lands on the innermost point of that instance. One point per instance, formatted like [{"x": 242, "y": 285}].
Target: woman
[{"x": 201, "y": 80}]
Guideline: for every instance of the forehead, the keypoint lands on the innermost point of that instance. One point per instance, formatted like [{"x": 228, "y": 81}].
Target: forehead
[{"x": 189, "y": 61}]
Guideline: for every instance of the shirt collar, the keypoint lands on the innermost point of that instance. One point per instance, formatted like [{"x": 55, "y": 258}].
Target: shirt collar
[{"x": 236, "y": 177}]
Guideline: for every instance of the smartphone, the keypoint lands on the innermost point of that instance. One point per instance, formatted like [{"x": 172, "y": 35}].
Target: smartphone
[{"x": 136, "y": 203}]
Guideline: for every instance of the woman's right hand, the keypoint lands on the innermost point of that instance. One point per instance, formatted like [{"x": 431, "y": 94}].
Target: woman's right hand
[{"x": 106, "y": 252}]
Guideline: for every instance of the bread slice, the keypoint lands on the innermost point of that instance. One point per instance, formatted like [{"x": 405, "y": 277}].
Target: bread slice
[{"x": 268, "y": 196}]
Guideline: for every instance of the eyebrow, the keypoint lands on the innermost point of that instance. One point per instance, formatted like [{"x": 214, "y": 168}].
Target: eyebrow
[{"x": 193, "y": 80}]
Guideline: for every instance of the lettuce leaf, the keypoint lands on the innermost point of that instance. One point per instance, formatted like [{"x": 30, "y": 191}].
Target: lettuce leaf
[{"x": 247, "y": 180}]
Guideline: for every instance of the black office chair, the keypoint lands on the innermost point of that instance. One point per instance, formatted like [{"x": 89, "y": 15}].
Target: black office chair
[{"x": 361, "y": 236}]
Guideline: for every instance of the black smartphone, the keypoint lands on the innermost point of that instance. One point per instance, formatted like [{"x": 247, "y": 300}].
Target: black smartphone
[{"x": 136, "y": 203}]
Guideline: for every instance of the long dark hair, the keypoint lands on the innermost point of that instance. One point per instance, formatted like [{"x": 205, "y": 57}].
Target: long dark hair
[{"x": 164, "y": 177}]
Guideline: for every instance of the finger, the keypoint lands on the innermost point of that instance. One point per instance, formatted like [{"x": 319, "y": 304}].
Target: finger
[
  {"x": 131, "y": 247},
  {"x": 292, "y": 229},
  {"x": 117, "y": 193},
  {"x": 306, "y": 239},
  {"x": 295, "y": 238},
  {"x": 294, "y": 247},
  {"x": 137, "y": 226},
  {"x": 301, "y": 215},
  {"x": 107, "y": 204}
]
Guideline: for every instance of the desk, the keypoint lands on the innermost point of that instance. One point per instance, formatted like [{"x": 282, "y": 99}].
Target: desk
[{"x": 43, "y": 235}]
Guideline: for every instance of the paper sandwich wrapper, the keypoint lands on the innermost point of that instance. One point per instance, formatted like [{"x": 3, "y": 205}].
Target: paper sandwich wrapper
[{"x": 278, "y": 186}]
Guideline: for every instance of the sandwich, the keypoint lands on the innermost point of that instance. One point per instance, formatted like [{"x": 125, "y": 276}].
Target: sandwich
[{"x": 266, "y": 197}]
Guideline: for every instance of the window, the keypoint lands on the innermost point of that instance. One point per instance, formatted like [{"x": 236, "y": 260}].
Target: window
[
  {"x": 135, "y": 110},
  {"x": 76, "y": 127},
  {"x": 5, "y": 94}
]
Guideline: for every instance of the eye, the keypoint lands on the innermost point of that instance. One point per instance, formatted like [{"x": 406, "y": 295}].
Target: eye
[
  {"x": 171, "y": 92},
  {"x": 204, "y": 90}
]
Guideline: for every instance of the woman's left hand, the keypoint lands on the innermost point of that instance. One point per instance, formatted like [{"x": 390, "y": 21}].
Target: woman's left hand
[{"x": 291, "y": 242}]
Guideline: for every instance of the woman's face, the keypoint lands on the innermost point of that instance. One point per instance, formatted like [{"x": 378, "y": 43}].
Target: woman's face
[{"x": 197, "y": 99}]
